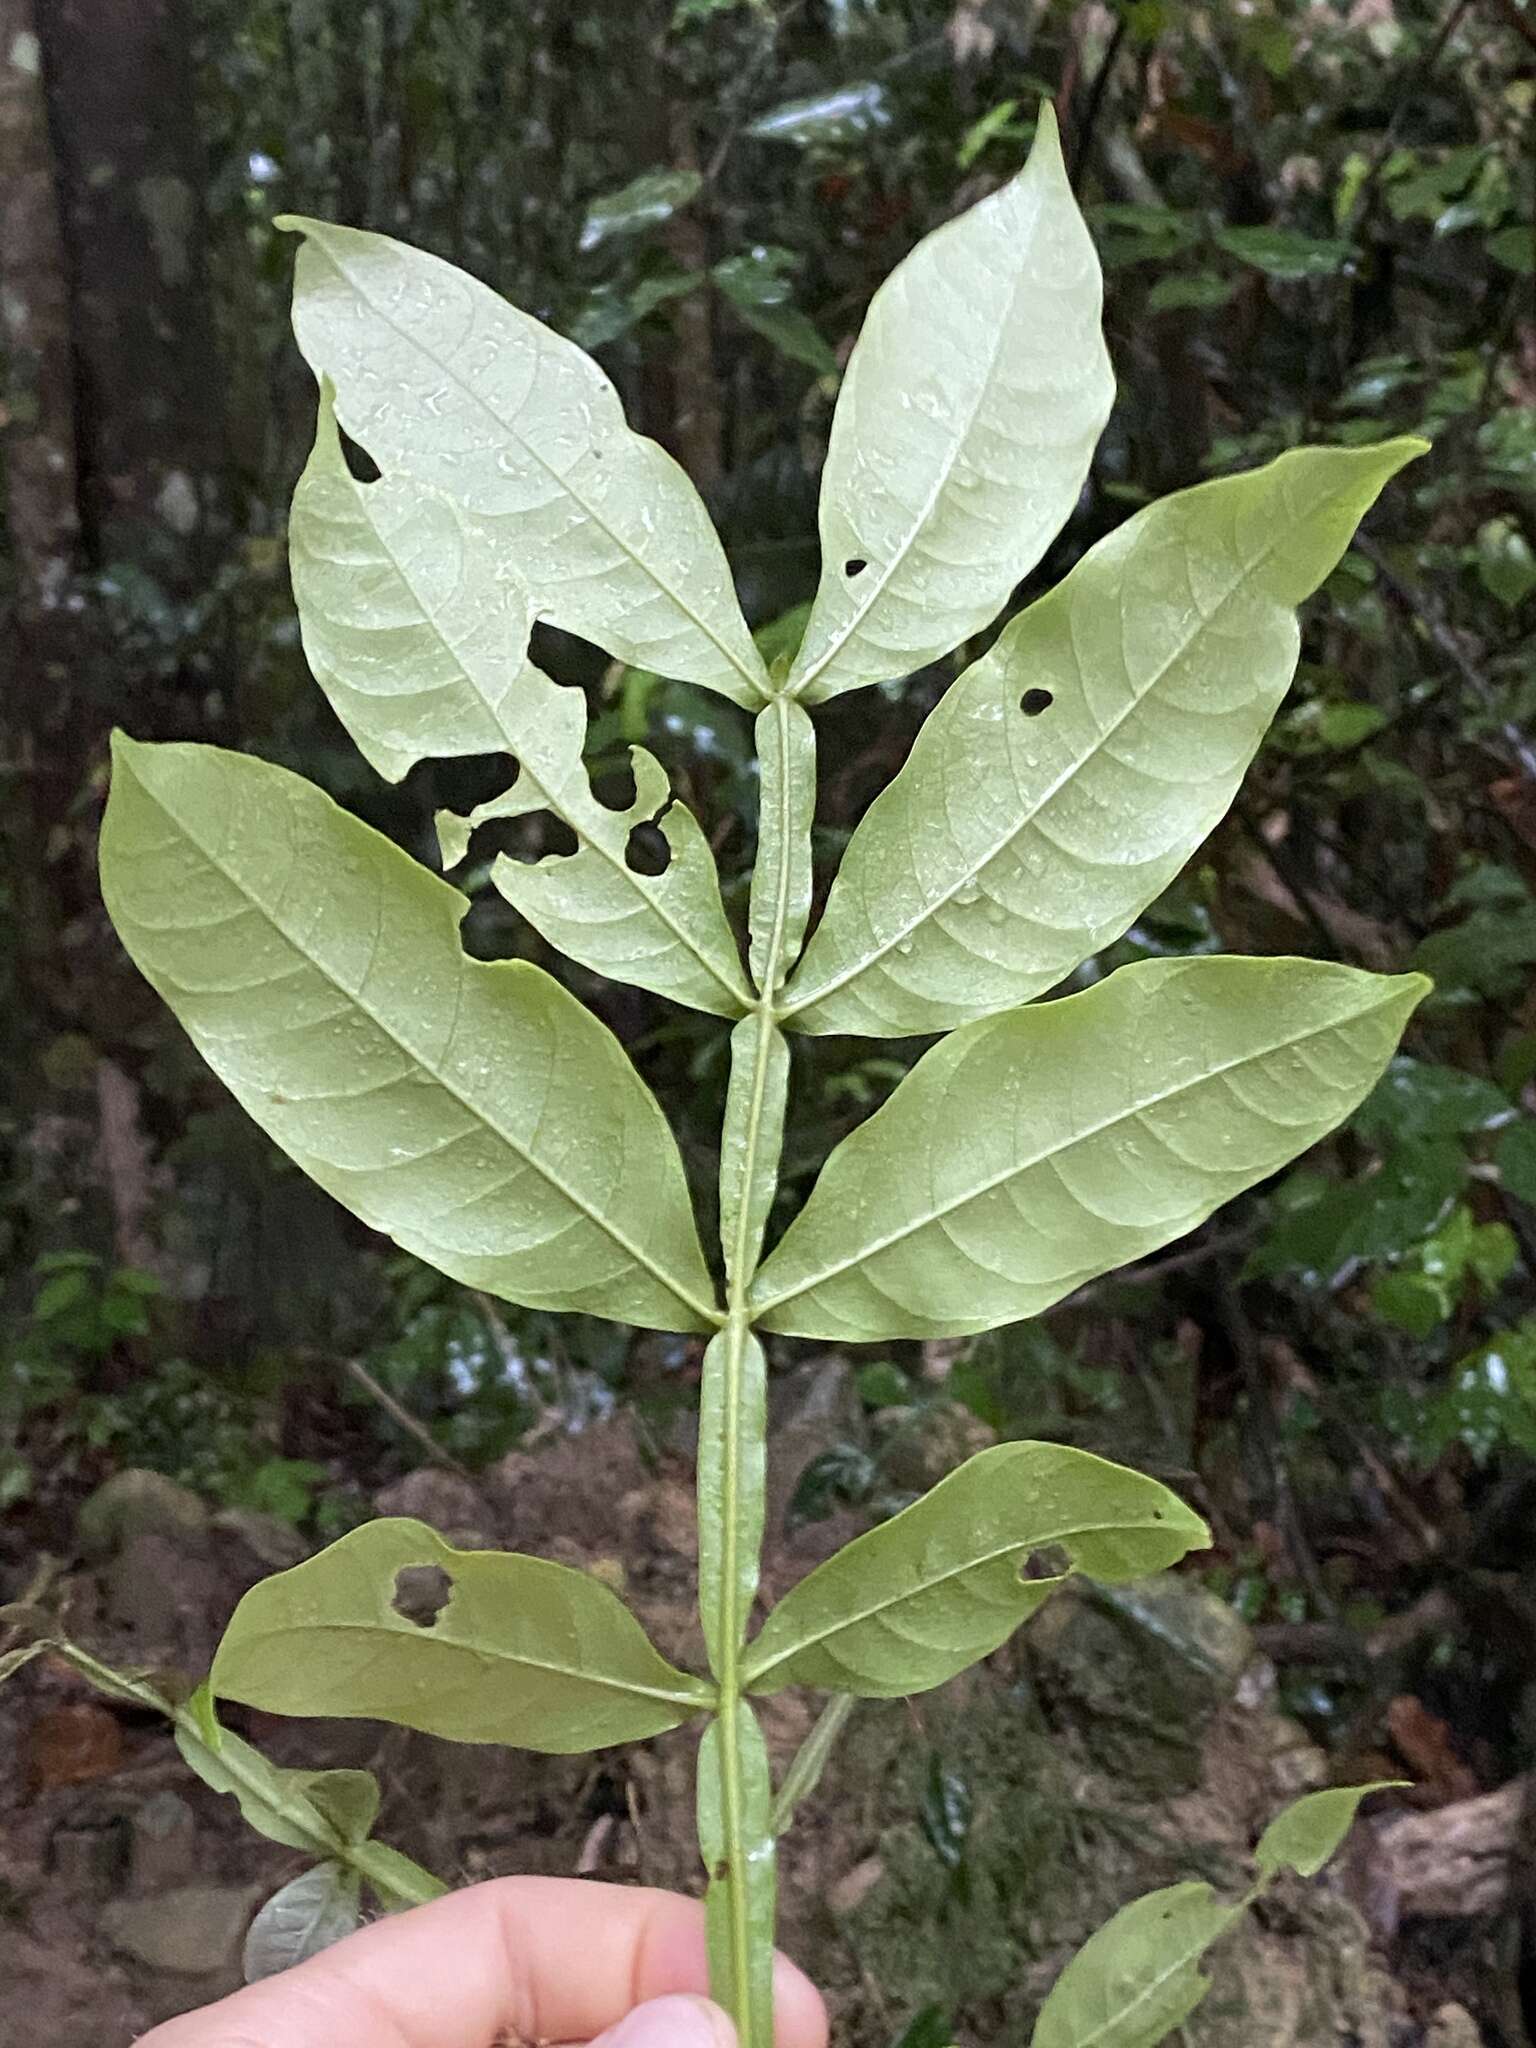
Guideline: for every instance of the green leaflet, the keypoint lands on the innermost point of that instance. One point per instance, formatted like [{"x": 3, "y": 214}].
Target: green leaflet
[
  {"x": 501, "y": 1648},
  {"x": 476, "y": 1113},
  {"x": 733, "y": 1423},
  {"x": 308, "y": 1914},
  {"x": 781, "y": 874},
  {"x": 442, "y": 381},
  {"x": 1307, "y": 1833},
  {"x": 1044, "y": 832},
  {"x": 1025, "y": 1154},
  {"x": 810, "y": 1760},
  {"x": 940, "y": 1585},
  {"x": 739, "y": 1903},
  {"x": 749, "y": 1172},
  {"x": 963, "y": 432},
  {"x": 417, "y": 631},
  {"x": 322, "y": 1812},
  {"x": 1139, "y": 1977}
]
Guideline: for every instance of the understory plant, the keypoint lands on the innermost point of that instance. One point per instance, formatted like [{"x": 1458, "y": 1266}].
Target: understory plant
[{"x": 490, "y": 1124}]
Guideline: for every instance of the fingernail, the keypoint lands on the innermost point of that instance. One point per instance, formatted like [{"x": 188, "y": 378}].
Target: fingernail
[{"x": 672, "y": 2023}]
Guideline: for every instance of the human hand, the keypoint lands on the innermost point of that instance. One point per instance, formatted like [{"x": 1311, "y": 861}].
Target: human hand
[{"x": 517, "y": 1961}]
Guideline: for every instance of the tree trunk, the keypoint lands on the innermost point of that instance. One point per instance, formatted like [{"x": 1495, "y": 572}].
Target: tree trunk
[
  {"x": 149, "y": 419},
  {"x": 38, "y": 442}
]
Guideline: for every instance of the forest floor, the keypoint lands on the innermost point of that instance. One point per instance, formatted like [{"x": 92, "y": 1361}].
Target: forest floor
[{"x": 959, "y": 1846}]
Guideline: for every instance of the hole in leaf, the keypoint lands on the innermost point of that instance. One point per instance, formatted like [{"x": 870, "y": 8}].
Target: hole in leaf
[
  {"x": 529, "y": 839},
  {"x": 1051, "y": 1561},
  {"x": 646, "y": 850},
  {"x": 1033, "y": 702},
  {"x": 422, "y": 1591},
  {"x": 616, "y": 786},
  {"x": 357, "y": 458},
  {"x": 855, "y": 566}
]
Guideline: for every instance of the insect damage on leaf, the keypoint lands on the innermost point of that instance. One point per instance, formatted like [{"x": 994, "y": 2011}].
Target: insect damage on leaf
[
  {"x": 487, "y": 1122},
  {"x": 421, "y": 1593}
]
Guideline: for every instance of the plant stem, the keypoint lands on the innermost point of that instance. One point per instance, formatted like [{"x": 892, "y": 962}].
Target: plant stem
[{"x": 735, "y": 1824}]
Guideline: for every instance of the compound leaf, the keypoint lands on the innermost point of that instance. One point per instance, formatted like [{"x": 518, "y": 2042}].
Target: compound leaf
[
  {"x": 441, "y": 380},
  {"x": 963, "y": 432},
  {"x": 474, "y": 1112},
  {"x": 1030, "y": 1152},
  {"x": 1307, "y": 1833},
  {"x": 322, "y": 1906},
  {"x": 393, "y": 1624},
  {"x": 1139, "y": 1976},
  {"x": 942, "y": 1584},
  {"x": 417, "y": 631},
  {"x": 1068, "y": 775}
]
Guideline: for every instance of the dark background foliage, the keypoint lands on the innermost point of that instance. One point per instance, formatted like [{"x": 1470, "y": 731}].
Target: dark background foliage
[{"x": 1316, "y": 223}]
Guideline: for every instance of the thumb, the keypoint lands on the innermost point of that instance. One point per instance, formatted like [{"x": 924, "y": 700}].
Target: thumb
[{"x": 671, "y": 2023}]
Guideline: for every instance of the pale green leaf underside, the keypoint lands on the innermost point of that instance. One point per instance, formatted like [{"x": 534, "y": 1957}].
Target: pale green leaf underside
[
  {"x": 308, "y": 1914},
  {"x": 417, "y": 631},
  {"x": 733, "y": 1423},
  {"x": 739, "y": 1902},
  {"x": 963, "y": 431},
  {"x": 1010, "y": 847},
  {"x": 1307, "y": 1833},
  {"x": 441, "y": 380},
  {"x": 523, "y": 1652},
  {"x": 781, "y": 874},
  {"x": 475, "y": 1113},
  {"x": 922, "y": 1596},
  {"x": 1028, "y": 1153},
  {"x": 756, "y": 1099},
  {"x": 323, "y": 1813},
  {"x": 1139, "y": 1976}
]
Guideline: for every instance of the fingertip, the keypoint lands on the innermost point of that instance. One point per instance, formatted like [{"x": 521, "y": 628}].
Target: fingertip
[
  {"x": 799, "y": 2015},
  {"x": 678, "y": 2021}
]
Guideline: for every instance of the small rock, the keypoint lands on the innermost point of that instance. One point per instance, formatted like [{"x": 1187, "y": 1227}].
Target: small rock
[
  {"x": 89, "y": 1858},
  {"x": 169, "y": 1598},
  {"x": 809, "y": 1410},
  {"x": 855, "y": 1886},
  {"x": 1452, "y": 2026},
  {"x": 73, "y": 1743},
  {"x": 139, "y": 1503},
  {"x": 1141, "y": 1669},
  {"x": 451, "y": 1505},
  {"x": 163, "y": 1843},
  {"x": 670, "y": 1513},
  {"x": 272, "y": 1542},
  {"x": 927, "y": 1444},
  {"x": 194, "y": 1931},
  {"x": 1296, "y": 1763}
]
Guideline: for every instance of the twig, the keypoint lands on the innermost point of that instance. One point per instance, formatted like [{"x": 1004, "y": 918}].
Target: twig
[
  {"x": 1152, "y": 1271},
  {"x": 1419, "y": 605},
  {"x": 1083, "y": 141},
  {"x": 1386, "y": 141},
  {"x": 404, "y": 1419},
  {"x": 1240, "y": 1334},
  {"x": 1290, "y": 876},
  {"x": 1523, "y": 24}
]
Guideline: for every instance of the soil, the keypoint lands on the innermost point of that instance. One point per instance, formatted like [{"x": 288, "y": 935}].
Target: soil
[{"x": 960, "y": 1846}]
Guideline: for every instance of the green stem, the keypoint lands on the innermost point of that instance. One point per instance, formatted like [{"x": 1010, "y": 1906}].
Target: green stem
[{"x": 735, "y": 1822}]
